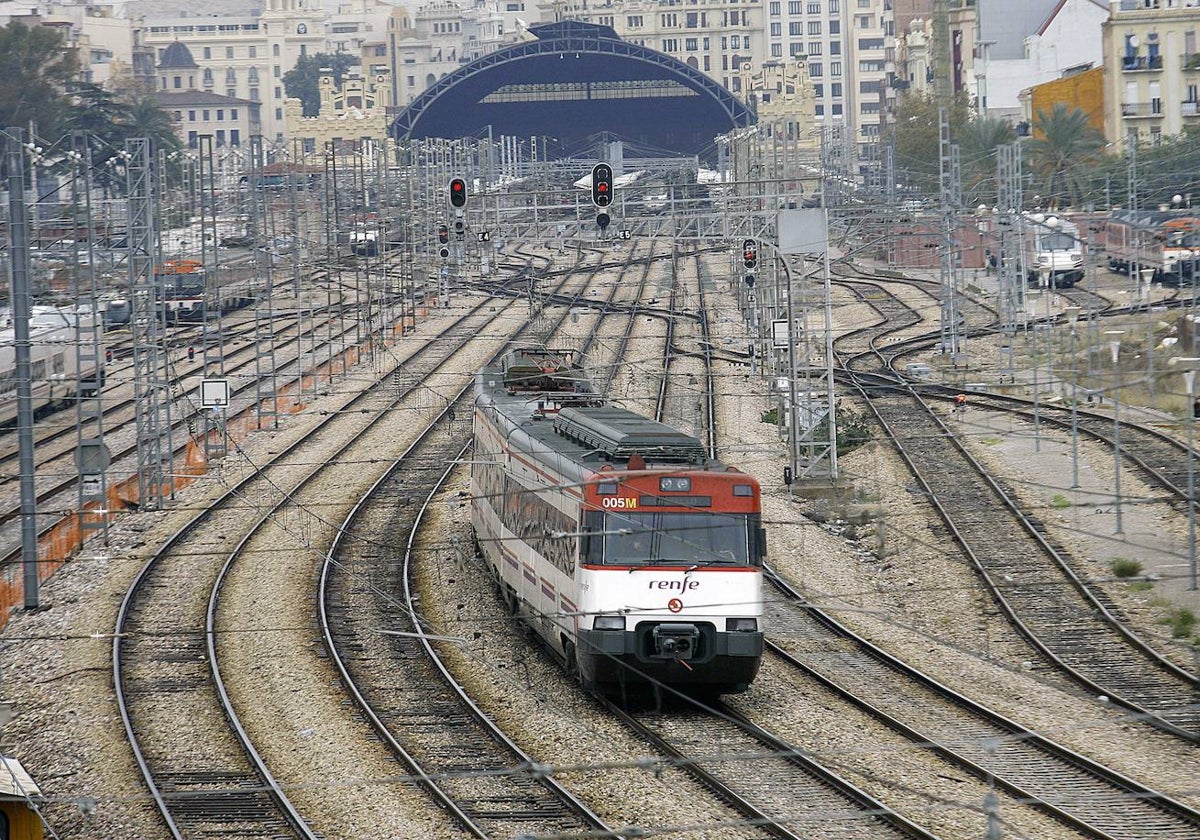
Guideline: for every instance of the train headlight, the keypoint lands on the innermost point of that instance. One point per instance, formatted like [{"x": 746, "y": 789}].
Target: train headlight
[
  {"x": 741, "y": 625},
  {"x": 609, "y": 622}
]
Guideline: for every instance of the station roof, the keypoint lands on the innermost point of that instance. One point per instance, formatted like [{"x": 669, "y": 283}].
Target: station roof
[{"x": 573, "y": 82}]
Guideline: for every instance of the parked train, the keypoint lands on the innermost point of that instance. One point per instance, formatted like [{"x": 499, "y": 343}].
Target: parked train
[
  {"x": 1164, "y": 242},
  {"x": 181, "y": 286},
  {"x": 636, "y": 558},
  {"x": 55, "y": 373},
  {"x": 1052, "y": 251}
]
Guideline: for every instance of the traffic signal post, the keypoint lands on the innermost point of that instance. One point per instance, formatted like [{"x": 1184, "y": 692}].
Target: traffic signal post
[{"x": 602, "y": 193}]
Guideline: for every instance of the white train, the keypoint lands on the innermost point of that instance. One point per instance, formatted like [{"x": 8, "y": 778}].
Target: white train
[
  {"x": 637, "y": 559},
  {"x": 56, "y": 377}
]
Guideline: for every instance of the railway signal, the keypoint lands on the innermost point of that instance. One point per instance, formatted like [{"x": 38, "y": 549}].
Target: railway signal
[
  {"x": 602, "y": 186},
  {"x": 443, "y": 240},
  {"x": 602, "y": 220},
  {"x": 458, "y": 193},
  {"x": 750, "y": 253}
]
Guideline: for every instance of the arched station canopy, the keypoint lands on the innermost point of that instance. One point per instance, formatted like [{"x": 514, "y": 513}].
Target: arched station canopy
[{"x": 575, "y": 81}]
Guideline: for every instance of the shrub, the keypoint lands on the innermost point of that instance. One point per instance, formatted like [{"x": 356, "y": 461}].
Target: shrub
[
  {"x": 1060, "y": 501},
  {"x": 1123, "y": 567}
]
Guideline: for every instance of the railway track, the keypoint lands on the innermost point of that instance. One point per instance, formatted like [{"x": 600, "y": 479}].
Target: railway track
[
  {"x": 1089, "y": 797},
  {"x": 1046, "y": 601},
  {"x": 166, "y": 664}
]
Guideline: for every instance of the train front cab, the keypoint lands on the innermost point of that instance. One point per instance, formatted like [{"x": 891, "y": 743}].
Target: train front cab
[
  {"x": 671, "y": 584},
  {"x": 18, "y": 819}
]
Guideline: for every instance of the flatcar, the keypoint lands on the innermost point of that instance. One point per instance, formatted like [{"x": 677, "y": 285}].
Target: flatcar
[
  {"x": 635, "y": 557},
  {"x": 55, "y": 373}
]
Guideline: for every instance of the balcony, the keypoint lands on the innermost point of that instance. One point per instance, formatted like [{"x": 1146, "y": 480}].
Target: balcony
[
  {"x": 1141, "y": 109},
  {"x": 1189, "y": 108},
  {"x": 1190, "y": 62},
  {"x": 1134, "y": 63}
]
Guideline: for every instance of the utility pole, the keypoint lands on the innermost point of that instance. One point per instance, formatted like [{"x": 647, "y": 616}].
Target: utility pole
[
  {"x": 18, "y": 223},
  {"x": 951, "y": 202}
]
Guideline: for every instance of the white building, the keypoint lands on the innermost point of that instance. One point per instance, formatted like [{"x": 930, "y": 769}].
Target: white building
[{"x": 1028, "y": 42}]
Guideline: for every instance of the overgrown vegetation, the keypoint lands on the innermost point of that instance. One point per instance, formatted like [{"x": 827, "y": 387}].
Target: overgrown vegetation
[
  {"x": 852, "y": 432},
  {"x": 1123, "y": 567},
  {"x": 1182, "y": 622},
  {"x": 1060, "y": 501}
]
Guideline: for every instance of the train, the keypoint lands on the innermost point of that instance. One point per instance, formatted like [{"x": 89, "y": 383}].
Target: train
[
  {"x": 635, "y": 557},
  {"x": 181, "y": 287},
  {"x": 1163, "y": 242},
  {"x": 1052, "y": 251},
  {"x": 55, "y": 373}
]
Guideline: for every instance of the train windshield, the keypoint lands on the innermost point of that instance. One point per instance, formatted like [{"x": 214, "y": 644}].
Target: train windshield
[
  {"x": 1059, "y": 242},
  {"x": 673, "y": 539}
]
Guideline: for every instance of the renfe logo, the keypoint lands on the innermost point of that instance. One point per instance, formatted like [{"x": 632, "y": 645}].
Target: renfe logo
[{"x": 681, "y": 585}]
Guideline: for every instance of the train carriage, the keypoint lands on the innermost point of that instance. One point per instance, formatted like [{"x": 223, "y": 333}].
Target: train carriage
[
  {"x": 1165, "y": 243},
  {"x": 54, "y": 362},
  {"x": 637, "y": 559}
]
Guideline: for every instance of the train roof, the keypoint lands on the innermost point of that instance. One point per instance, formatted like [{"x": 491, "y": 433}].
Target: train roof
[
  {"x": 1151, "y": 218},
  {"x": 551, "y": 409}
]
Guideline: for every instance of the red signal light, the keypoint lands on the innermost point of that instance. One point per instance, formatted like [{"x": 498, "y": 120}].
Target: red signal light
[
  {"x": 602, "y": 185},
  {"x": 458, "y": 192}
]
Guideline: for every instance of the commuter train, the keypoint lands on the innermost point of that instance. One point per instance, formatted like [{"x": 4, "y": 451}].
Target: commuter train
[
  {"x": 55, "y": 373},
  {"x": 1163, "y": 242},
  {"x": 635, "y": 557},
  {"x": 1053, "y": 251},
  {"x": 181, "y": 286}
]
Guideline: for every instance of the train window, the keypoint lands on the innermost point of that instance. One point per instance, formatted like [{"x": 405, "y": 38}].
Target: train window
[
  {"x": 675, "y": 539},
  {"x": 38, "y": 371},
  {"x": 60, "y": 365},
  {"x": 606, "y": 488},
  {"x": 743, "y": 490}
]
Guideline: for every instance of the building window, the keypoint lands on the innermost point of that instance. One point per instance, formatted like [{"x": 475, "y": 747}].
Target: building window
[
  {"x": 835, "y": 27},
  {"x": 253, "y": 52},
  {"x": 707, "y": 64},
  {"x": 814, "y": 48},
  {"x": 776, "y": 29},
  {"x": 276, "y": 72},
  {"x": 835, "y": 89},
  {"x": 179, "y": 116},
  {"x": 814, "y": 8},
  {"x": 814, "y": 27},
  {"x": 278, "y": 92},
  {"x": 235, "y": 137},
  {"x": 774, "y": 8},
  {"x": 820, "y": 113},
  {"x": 254, "y": 97},
  {"x": 795, "y": 8},
  {"x": 795, "y": 49},
  {"x": 275, "y": 50},
  {"x": 835, "y": 69},
  {"x": 691, "y": 44},
  {"x": 231, "y": 93},
  {"x": 193, "y": 139},
  {"x": 870, "y": 43},
  {"x": 835, "y": 47},
  {"x": 818, "y": 91},
  {"x": 815, "y": 70},
  {"x": 278, "y": 113},
  {"x": 776, "y": 50},
  {"x": 220, "y": 137},
  {"x": 795, "y": 28},
  {"x": 835, "y": 110},
  {"x": 208, "y": 77},
  {"x": 205, "y": 113},
  {"x": 229, "y": 52},
  {"x": 835, "y": 7},
  {"x": 178, "y": 82},
  {"x": 231, "y": 76},
  {"x": 191, "y": 116},
  {"x": 208, "y": 52},
  {"x": 865, "y": 21}
]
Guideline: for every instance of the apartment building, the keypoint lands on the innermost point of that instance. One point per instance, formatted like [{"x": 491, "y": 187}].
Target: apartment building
[
  {"x": 240, "y": 53},
  {"x": 1151, "y": 69},
  {"x": 846, "y": 44}
]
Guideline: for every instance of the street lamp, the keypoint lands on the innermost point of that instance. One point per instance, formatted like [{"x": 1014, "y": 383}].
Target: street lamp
[
  {"x": 1114, "y": 345},
  {"x": 1189, "y": 378}
]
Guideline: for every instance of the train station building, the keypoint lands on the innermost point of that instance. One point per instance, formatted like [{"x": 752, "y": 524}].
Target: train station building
[{"x": 574, "y": 82}]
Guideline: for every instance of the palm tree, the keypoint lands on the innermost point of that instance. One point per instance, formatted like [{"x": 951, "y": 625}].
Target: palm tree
[
  {"x": 979, "y": 143},
  {"x": 1065, "y": 145}
]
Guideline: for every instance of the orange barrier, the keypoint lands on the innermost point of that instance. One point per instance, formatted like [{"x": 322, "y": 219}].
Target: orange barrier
[{"x": 66, "y": 536}]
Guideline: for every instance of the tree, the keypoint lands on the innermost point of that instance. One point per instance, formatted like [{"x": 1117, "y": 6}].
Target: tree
[
  {"x": 35, "y": 67},
  {"x": 1065, "y": 145},
  {"x": 303, "y": 81},
  {"x": 916, "y": 131}
]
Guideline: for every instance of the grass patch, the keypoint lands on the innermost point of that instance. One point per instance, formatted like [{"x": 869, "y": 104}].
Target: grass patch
[
  {"x": 991, "y": 441},
  {"x": 1060, "y": 501},
  {"x": 771, "y": 416},
  {"x": 1141, "y": 586},
  {"x": 1182, "y": 622},
  {"x": 1123, "y": 567}
]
